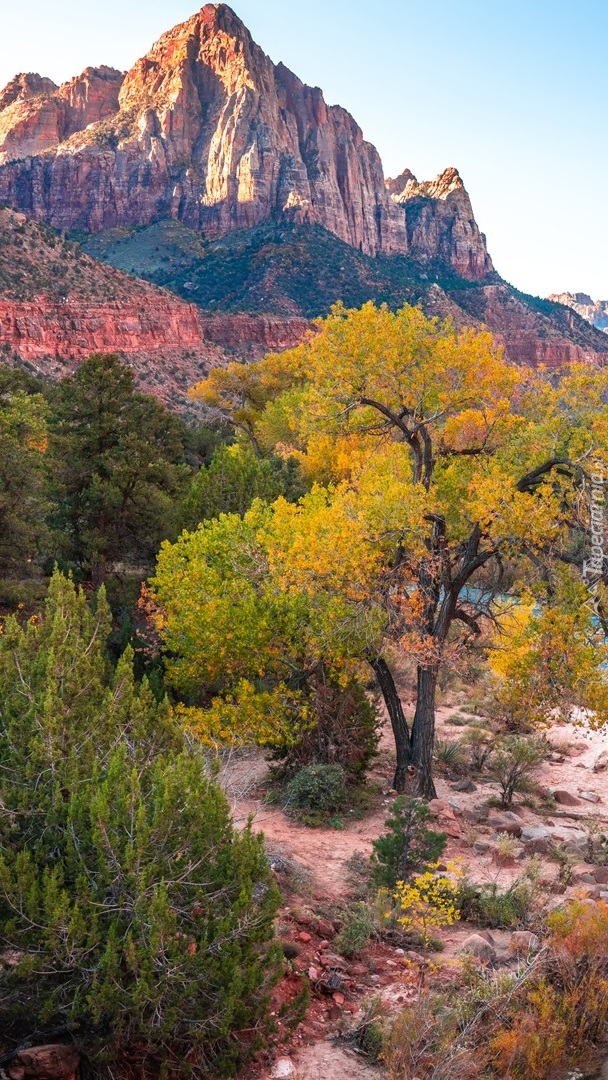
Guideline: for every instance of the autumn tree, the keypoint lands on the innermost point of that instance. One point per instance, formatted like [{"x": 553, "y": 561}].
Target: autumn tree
[
  {"x": 246, "y": 652},
  {"x": 139, "y": 921},
  {"x": 489, "y": 464},
  {"x": 118, "y": 466}
]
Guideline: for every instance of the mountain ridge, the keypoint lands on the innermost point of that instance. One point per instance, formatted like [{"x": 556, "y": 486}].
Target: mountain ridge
[
  {"x": 205, "y": 129},
  {"x": 212, "y": 172},
  {"x": 593, "y": 311}
]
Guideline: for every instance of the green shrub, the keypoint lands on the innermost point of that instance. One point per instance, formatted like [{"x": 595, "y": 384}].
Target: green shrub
[
  {"x": 358, "y": 927},
  {"x": 140, "y": 920},
  {"x": 409, "y": 846},
  {"x": 368, "y": 1036},
  {"x": 345, "y": 728},
  {"x": 488, "y": 906},
  {"x": 316, "y": 790},
  {"x": 479, "y": 742},
  {"x": 449, "y": 755},
  {"x": 516, "y": 758}
]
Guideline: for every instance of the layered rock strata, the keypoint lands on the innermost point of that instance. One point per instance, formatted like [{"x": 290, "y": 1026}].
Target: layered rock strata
[{"x": 207, "y": 129}]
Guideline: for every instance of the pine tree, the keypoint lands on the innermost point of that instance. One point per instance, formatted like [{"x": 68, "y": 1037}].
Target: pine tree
[
  {"x": 23, "y": 489},
  {"x": 117, "y": 456},
  {"x": 140, "y": 921}
]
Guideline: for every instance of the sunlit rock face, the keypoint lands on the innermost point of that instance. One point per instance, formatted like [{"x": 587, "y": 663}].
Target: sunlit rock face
[
  {"x": 207, "y": 129},
  {"x": 36, "y": 115},
  {"x": 593, "y": 311}
]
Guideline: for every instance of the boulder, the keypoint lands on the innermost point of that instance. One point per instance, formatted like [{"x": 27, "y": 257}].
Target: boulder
[
  {"x": 283, "y": 1068},
  {"x": 476, "y": 945},
  {"x": 601, "y": 762},
  {"x": 480, "y": 847},
  {"x": 523, "y": 942},
  {"x": 589, "y": 796},
  {"x": 583, "y": 874},
  {"x": 564, "y": 798},
  {"x": 601, "y": 875},
  {"x": 537, "y": 838},
  {"x": 505, "y": 821},
  {"x": 577, "y": 748},
  {"x": 332, "y": 960},
  {"x": 53, "y": 1061},
  {"x": 464, "y": 785}
]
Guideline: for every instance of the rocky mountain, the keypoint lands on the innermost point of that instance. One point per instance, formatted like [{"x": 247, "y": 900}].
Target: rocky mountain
[
  {"x": 35, "y": 114},
  {"x": 205, "y": 129},
  {"x": 210, "y": 171},
  {"x": 595, "y": 312}
]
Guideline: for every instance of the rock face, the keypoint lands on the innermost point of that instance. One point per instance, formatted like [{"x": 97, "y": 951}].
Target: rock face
[
  {"x": 532, "y": 331},
  {"x": 440, "y": 224},
  {"x": 72, "y": 330},
  {"x": 595, "y": 312},
  {"x": 254, "y": 333},
  {"x": 207, "y": 130},
  {"x": 35, "y": 114}
]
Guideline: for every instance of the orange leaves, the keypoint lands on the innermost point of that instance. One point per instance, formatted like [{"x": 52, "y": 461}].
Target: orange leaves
[{"x": 561, "y": 1010}]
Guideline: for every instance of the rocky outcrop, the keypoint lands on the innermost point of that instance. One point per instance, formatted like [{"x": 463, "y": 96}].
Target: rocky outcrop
[
  {"x": 72, "y": 330},
  {"x": 253, "y": 333},
  {"x": 532, "y": 331},
  {"x": 35, "y": 114},
  {"x": 595, "y": 312},
  {"x": 440, "y": 224},
  {"x": 207, "y": 130}
]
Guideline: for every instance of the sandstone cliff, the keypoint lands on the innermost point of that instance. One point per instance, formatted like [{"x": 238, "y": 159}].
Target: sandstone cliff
[
  {"x": 207, "y": 130},
  {"x": 440, "y": 224},
  {"x": 35, "y": 114},
  {"x": 595, "y": 312},
  {"x": 57, "y": 305}
]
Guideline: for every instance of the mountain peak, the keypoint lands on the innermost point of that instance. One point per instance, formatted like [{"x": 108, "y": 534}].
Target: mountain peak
[
  {"x": 406, "y": 186},
  {"x": 593, "y": 311},
  {"x": 23, "y": 86},
  {"x": 207, "y": 130}
]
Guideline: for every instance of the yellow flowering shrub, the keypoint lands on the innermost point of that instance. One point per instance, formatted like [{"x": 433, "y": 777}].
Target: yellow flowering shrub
[{"x": 429, "y": 901}]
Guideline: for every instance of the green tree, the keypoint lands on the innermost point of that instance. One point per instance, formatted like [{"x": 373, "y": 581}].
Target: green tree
[
  {"x": 235, "y": 477},
  {"x": 141, "y": 921},
  {"x": 118, "y": 462},
  {"x": 23, "y": 488},
  {"x": 409, "y": 846}
]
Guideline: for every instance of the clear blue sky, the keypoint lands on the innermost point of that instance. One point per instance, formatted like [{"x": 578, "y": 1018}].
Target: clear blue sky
[{"x": 513, "y": 93}]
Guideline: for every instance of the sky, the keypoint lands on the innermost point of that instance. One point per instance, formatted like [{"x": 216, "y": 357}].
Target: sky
[{"x": 514, "y": 94}]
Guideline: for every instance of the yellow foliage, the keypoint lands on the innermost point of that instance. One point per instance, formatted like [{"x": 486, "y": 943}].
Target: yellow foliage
[
  {"x": 429, "y": 901},
  {"x": 275, "y": 718}
]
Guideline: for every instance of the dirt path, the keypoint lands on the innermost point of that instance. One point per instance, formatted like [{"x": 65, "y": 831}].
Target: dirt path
[
  {"x": 322, "y": 853},
  {"x": 321, "y": 877}
]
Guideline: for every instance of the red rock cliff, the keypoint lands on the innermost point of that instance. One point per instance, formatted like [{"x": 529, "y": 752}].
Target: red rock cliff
[
  {"x": 35, "y": 114},
  {"x": 208, "y": 130}
]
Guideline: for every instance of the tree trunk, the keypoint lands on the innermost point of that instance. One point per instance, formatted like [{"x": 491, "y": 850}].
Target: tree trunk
[
  {"x": 401, "y": 731},
  {"x": 423, "y": 732}
]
